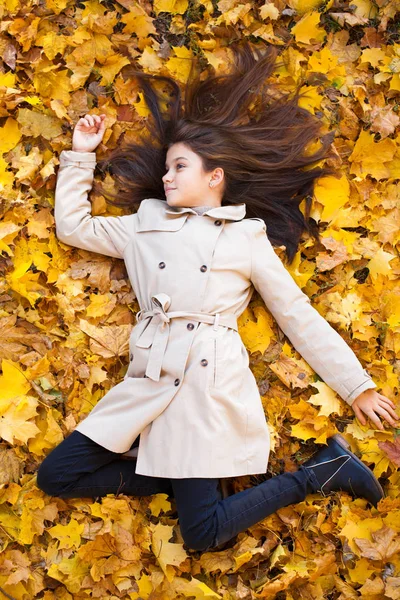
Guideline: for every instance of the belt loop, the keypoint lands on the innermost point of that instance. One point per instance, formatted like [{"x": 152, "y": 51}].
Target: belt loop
[{"x": 216, "y": 321}]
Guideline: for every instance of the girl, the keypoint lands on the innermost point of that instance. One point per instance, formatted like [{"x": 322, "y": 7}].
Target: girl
[{"x": 189, "y": 398}]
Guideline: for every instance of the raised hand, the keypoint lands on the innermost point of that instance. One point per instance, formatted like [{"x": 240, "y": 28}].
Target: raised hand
[{"x": 88, "y": 133}]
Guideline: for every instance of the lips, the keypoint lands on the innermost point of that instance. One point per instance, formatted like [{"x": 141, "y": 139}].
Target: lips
[{"x": 169, "y": 190}]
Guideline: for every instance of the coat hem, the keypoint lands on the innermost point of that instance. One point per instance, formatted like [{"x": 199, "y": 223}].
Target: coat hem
[{"x": 196, "y": 476}]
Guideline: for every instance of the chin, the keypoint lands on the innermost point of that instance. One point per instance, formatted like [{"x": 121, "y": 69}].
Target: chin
[{"x": 171, "y": 202}]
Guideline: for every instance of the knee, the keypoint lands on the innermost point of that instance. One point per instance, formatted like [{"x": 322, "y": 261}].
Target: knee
[
  {"x": 197, "y": 539},
  {"x": 45, "y": 480}
]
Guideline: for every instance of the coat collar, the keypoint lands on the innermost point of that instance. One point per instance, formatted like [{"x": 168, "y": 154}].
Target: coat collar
[
  {"x": 232, "y": 212},
  {"x": 156, "y": 215}
]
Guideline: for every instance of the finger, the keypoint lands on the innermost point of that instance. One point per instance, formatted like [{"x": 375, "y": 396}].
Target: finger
[
  {"x": 385, "y": 399},
  {"x": 392, "y": 406},
  {"x": 83, "y": 123},
  {"x": 390, "y": 411},
  {"x": 98, "y": 121},
  {"x": 393, "y": 413},
  {"x": 359, "y": 416},
  {"x": 385, "y": 414},
  {"x": 388, "y": 400},
  {"x": 374, "y": 419},
  {"x": 91, "y": 120}
]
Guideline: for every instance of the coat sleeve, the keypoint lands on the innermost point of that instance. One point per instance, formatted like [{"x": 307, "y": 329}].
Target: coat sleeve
[
  {"x": 75, "y": 225},
  {"x": 311, "y": 335}
]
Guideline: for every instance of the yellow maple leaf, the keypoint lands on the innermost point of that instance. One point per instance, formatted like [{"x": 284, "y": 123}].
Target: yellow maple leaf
[
  {"x": 304, "y": 6},
  {"x": 6, "y": 177},
  {"x": 13, "y": 381},
  {"x": 159, "y": 503},
  {"x": 351, "y": 526},
  {"x": 50, "y": 433},
  {"x": 70, "y": 571},
  {"x": 333, "y": 194},
  {"x": 166, "y": 553},
  {"x": 192, "y": 589},
  {"x": 68, "y": 535},
  {"x": 10, "y": 134},
  {"x": 7, "y": 79},
  {"x": 26, "y": 283},
  {"x": 141, "y": 106},
  {"x": 307, "y": 29},
  {"x": 137, "y": 21},
  {"x": 170, "y": 6},
  {"x": 15, "y": 415},
  {"x": 101, "y": 304},
  {"x": 56, "y": 6},
  {"x": 111, "y": 67},
  {"x": 145, "y": 588},
  {"x": 257, "y": 335},
  {"x": 52, "y": 43},
  {"x": 179, "y": 65},
  {"x": 370, "y": 157},
  {"x": 34, "y": 123},
  {"x": 371, "y": 453},
  {"x": 379, "y": 264},
  {"x": 327, "y": 399}
]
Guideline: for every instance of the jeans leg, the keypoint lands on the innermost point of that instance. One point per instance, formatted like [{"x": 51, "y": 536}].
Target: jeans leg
[
  {"x": 79, "y": 467},
  {"x": 207, "y": 521}
]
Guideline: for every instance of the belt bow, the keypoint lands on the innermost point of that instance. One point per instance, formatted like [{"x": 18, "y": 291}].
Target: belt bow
[{"x": 156, "y": 333}]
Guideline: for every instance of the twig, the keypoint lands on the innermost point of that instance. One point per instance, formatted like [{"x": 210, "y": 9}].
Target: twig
[{"x": 7, "y": 595}]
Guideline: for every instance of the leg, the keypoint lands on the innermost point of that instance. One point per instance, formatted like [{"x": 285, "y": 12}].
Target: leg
[
  {"x": 207, "y": 521},
  {"x": 79, "y": 467}
]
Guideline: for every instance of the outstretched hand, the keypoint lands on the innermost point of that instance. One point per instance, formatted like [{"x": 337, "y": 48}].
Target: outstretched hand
[
  {"x": 371, "y": 404},
  {"x": 88, "y": 133}
]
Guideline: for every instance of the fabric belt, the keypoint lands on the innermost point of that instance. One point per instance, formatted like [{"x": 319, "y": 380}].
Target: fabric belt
[{"x": 157, "y": 336}]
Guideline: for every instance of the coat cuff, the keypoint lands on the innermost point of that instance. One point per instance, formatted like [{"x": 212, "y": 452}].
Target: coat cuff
[
  {"x": 366, "y": 384},
  {"x": 78, "y": 159}
]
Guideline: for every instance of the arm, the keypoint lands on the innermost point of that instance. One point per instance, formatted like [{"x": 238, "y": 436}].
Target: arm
[
  {"x": 75, "y": 225},
  {"x": 312, "y": 336}
]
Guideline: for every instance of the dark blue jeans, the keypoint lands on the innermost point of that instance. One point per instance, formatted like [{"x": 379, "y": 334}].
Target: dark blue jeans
[{"x": 79, "y": 467}]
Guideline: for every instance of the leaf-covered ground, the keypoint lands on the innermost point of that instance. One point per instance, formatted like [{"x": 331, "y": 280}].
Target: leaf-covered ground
[{"x": 66, "y": 314}]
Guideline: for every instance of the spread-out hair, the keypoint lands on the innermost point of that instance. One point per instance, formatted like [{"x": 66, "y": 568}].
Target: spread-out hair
[{"x": 237, "y": 120}]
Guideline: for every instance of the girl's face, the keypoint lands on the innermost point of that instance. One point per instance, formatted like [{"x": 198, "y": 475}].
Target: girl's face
[{"x": 185, "y": 182}]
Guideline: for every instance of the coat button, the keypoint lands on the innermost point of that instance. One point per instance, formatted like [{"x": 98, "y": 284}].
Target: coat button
[
  {"x": 218, "y": 222},
  {"x": 203, "y": 268},
  {"x": 161, "y": 265},
  {"x": 190, "y": 326},
  {"x": 177, "y": 381},
  {"x": 204, "y": 362},
  {"x": 131, "y": 356}
]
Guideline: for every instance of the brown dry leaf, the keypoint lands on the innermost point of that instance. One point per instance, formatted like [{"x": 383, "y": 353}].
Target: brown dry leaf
[{"x": 385, "y": 544}]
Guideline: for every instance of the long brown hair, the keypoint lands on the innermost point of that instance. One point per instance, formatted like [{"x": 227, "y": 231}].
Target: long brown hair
[{"x": 240, "y": 123}]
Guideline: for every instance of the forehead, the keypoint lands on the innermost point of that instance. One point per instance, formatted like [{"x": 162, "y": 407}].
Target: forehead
[{"x": 178, "y": 150}]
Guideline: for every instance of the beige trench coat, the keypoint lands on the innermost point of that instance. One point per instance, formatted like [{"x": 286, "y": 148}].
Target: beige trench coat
[{"x": 188, "y": 390}]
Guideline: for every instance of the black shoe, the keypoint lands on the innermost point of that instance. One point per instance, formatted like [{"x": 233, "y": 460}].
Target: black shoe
[{"x": 337, "y": 468}]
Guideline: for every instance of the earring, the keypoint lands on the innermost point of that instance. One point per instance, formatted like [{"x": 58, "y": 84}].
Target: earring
[{"x": 211, "y": 184}]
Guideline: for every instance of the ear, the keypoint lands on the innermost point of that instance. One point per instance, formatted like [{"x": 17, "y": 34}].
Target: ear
[{"x": 218, "y": 175}]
